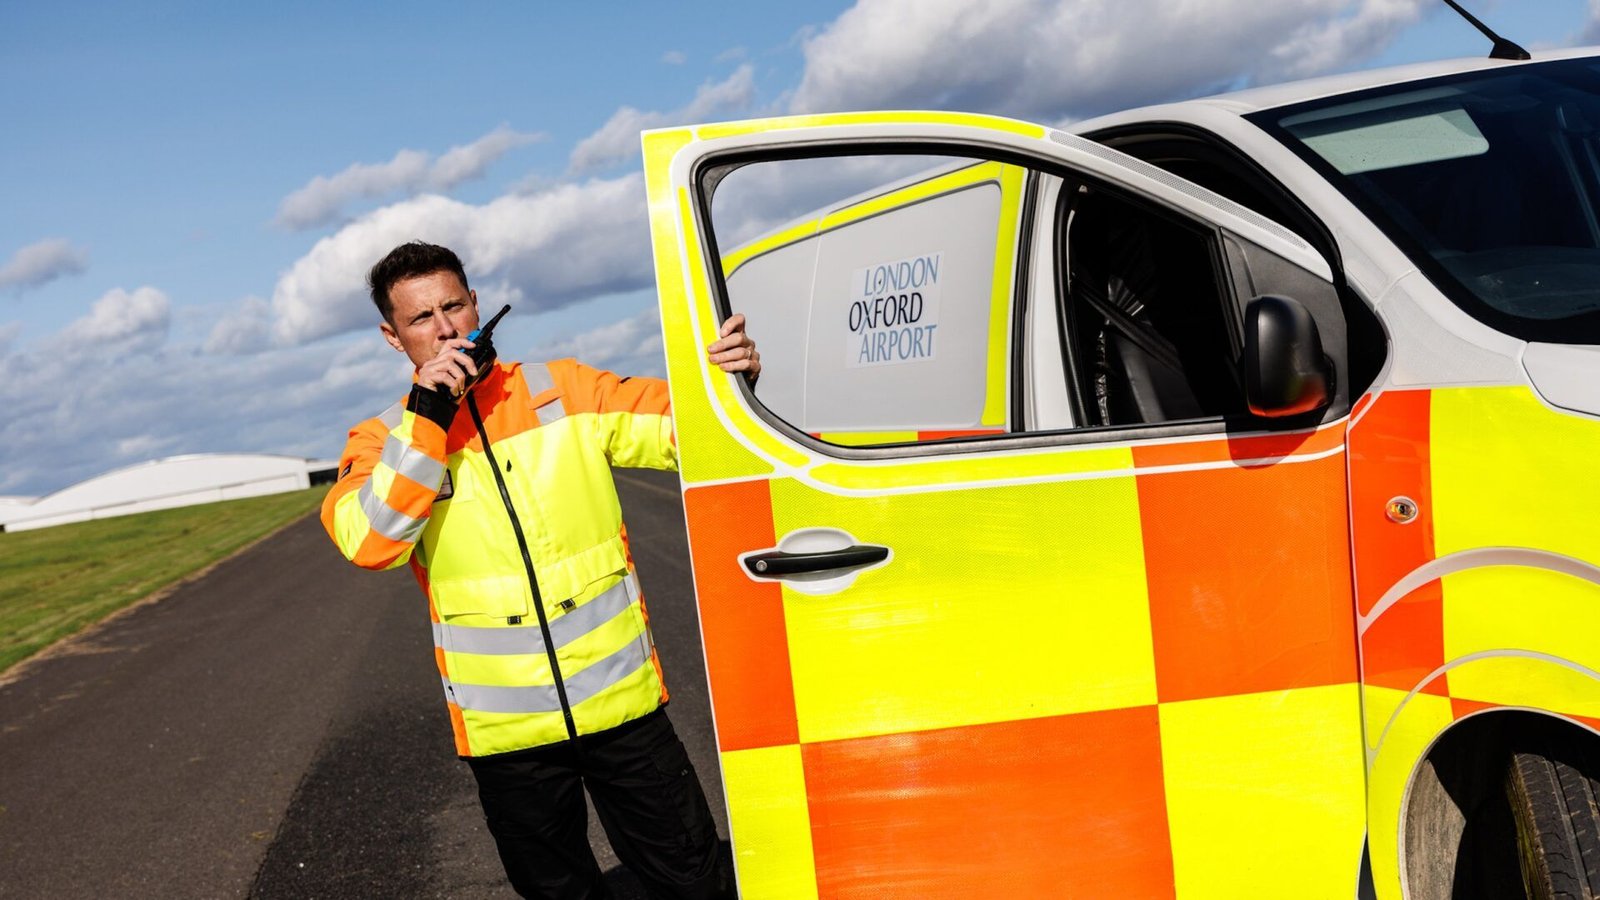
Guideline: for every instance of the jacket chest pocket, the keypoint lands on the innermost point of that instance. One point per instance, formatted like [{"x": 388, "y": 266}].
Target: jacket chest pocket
[
  {"x": 494, "y": 597},
  {"x": 474, "y": 566}
]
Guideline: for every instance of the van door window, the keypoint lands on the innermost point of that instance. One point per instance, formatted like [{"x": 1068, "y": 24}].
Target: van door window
[
  {"x": 903, "y": 299},
  {"x": 1153, "y": 329},
  {"x": 880, "y": 289}
]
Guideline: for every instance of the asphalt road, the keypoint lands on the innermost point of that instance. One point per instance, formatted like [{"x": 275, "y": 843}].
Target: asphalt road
[{"x": 276, "y": 729}]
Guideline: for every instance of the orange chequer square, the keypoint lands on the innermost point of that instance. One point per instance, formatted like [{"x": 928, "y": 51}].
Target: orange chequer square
[
  {"x": 1389, "y": 450},
  {"x": 1248, "y": 571},
  {"x": 1063, "y": 806},
  {"x": 746, "y": 641}
]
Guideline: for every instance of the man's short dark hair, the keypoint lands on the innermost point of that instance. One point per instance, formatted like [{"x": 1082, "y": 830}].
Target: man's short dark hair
[{"x": 411, "y": 260}]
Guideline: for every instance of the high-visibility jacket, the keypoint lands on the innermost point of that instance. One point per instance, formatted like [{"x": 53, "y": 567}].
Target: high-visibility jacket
[{"x": 505, "y": 508}]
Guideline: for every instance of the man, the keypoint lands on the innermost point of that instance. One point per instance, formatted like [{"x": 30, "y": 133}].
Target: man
[{"x": 495, "y": 486}]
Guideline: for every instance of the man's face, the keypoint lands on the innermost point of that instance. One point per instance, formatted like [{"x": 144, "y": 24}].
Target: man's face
[{"x": 427, "y": 311}]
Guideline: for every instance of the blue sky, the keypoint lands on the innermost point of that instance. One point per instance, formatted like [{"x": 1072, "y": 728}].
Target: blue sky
[{"x": 192, "y": 192}]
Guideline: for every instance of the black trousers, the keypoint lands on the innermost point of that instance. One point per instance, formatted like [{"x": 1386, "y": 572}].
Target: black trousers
[{"x": 646, "y": 794}]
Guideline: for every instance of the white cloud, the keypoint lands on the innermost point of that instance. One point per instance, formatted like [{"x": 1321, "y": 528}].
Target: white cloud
[
  {"x": 1331, "y": 44},
  {"x": 566, "y": 243},
  {"x": 1051, "y": 60},
  {"x": 554, "y": 245},
  {"x": 322, "y": 199},
  {"x": 1590, "y": 32},
  {"x": 245, "y": 329},
  {"x": 674, "y": 57},
  {"x": 755, "y": 199},
  {"x": 464, "y": 163},
  {"x": 365, "y": 365},
  {"x": 144, "y": 446},
  {"x": 618, "y": 139},
  {"x": 43, "y": 262},
  {"x": 630, "y": 346},
  {"x": 76, "y": 409},
  {"x": 132, "y": 322}
]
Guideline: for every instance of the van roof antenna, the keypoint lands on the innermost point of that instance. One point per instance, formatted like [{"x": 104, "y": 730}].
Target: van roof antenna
[{"x": 1503, "y": 49}]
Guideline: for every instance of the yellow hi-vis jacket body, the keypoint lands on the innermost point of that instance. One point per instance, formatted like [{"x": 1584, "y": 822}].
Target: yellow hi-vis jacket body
[{"x": 506, "y": 511}]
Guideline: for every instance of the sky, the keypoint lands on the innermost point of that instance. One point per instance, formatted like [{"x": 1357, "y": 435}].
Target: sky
[{"x": 191, "y": 194}]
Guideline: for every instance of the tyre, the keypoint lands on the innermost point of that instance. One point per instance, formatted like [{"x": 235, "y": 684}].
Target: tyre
[{"x": 1556, "y": 804}]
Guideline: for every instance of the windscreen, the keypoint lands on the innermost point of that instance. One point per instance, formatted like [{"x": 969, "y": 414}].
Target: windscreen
[{"x": 1490, "y": 181}]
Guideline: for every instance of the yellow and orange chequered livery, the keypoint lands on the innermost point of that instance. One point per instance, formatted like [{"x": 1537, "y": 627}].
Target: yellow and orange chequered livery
[
  {"x": 1097, "y": 718},
  {"x": 1187, "y": 665},
  {"x": 1069, "y": 708},
  {"x": 507, "y": 513},
  {"x": 1489, "y": 598}
]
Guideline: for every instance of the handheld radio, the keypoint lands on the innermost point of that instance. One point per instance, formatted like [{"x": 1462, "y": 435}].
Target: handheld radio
[{"x": 481, "y": 353}]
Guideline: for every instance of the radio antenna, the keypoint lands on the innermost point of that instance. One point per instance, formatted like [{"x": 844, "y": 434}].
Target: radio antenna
[{"x": 1503, "y": 49}]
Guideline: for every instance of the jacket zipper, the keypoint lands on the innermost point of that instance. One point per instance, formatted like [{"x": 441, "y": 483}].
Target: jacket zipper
[{"x": 527, "y": 563}]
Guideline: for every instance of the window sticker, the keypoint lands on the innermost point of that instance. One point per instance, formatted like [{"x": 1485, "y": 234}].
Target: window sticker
[
  {"x": 1408, "y": 141},
  {"x": 893, "y": 317}
]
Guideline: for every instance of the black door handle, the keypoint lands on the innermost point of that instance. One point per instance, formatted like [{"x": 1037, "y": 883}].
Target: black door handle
[{"x": 777, "y": 563}]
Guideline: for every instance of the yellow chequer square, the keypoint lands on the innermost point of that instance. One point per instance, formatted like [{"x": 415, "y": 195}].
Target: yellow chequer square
[
  {"x": 1532, "y": 682},
  {"x": 1378, "y": 706},
  {"x": 770, "y": 822},
  {"x": 1043, "y": 613},
  {"x": 1406, "y": 728},
  {"x": 1509, "y": 471},
  {"x": 716, "y": 453},
  {"x": 1265, "y": 793},
  {"x": 1042, "y": 464},
  {"x": 1529, "y": 609}
]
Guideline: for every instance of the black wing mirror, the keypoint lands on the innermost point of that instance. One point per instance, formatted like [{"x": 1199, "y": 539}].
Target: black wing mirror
[{"x": 1286, "y": 373}]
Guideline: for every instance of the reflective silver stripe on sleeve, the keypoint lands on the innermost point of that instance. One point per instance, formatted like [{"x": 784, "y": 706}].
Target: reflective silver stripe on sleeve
[
  {"x": 412, "y": 463},
  {"x": 538, "y": 378},
  {"x": 393, "y": 416},
  {"x": 388, "y": 521},
  {"x": 543, "y": 698},
  {"x": 507, "y": 640},
  {"x": 551, "y": 412}
]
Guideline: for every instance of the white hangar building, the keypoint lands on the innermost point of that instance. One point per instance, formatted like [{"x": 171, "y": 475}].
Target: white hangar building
[{"x": 164, "y": 483}]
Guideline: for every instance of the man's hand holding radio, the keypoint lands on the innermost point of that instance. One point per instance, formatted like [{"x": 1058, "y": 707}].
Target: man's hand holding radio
[{"x": 451, "y": 371}]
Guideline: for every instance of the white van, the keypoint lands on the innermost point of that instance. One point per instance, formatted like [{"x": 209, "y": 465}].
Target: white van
[{"x": 1201, "y": 503}]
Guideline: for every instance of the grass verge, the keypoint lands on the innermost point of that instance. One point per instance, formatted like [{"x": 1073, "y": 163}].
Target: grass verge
[{"x": 55, "y": 581}]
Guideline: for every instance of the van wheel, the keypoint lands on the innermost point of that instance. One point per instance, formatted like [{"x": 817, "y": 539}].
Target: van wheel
[{"x": 1556, "y": 805}]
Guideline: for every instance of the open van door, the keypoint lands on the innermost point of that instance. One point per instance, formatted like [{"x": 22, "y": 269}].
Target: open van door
[{"x": 1024, "y": 568}]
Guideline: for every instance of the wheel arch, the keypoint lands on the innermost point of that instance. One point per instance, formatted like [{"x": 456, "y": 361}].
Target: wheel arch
[{"x": 1456, "y": 831}]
